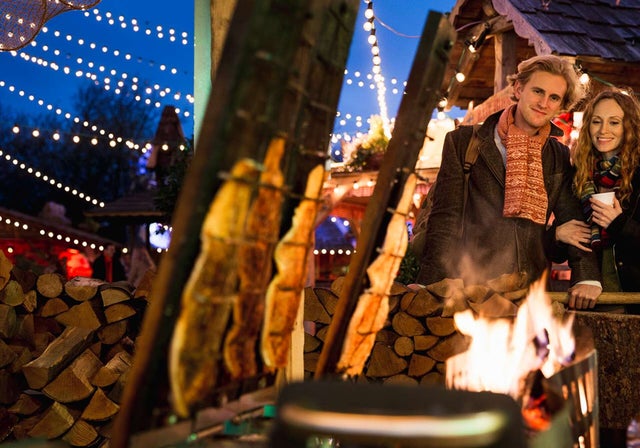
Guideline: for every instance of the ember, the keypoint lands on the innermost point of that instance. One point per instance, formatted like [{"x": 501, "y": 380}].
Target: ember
[{"x": 535, "y": 414}]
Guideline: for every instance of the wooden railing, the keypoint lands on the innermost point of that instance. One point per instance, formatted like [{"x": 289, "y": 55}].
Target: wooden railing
[{"x": 606, "y": 298}]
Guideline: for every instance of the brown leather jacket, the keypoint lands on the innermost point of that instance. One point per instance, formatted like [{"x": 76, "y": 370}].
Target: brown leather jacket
[{"x": 492, "y": 245}]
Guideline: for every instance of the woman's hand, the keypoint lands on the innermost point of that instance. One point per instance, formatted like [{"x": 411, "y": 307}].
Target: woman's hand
[
  {"x": 575, "y": 233},
  {"x": 603, "y": 213}
]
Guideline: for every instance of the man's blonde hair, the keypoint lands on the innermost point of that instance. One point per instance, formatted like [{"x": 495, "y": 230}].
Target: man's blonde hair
[{"x": 556, "y": 66}]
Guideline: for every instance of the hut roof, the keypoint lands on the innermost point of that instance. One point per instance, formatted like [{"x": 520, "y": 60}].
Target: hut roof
[{"x": 601, "y": 36}]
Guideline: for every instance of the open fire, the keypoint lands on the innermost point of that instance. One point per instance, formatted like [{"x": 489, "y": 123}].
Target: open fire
[{"x": 531, "y": 358}]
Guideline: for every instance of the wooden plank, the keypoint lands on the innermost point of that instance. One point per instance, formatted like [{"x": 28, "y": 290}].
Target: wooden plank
[
  {"x": 606, "y": 298},
  {"x": 422, "y": 95},
  {"x": 245, "y": 109}
]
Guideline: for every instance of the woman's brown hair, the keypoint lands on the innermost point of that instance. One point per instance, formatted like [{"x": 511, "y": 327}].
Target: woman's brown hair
[{"x": 584, "y": 154}]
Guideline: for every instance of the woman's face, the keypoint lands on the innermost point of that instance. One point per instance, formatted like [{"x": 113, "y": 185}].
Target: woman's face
[{"x": 605, "y": 128}]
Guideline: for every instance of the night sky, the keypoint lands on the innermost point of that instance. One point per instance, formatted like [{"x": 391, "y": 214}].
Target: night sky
[{"x": 150, "y": 55}]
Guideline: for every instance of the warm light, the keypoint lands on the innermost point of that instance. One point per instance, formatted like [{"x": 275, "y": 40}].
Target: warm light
[
  {"x": 577, "y": 119},
  {"x": 510, "y": 346},
  {"x": 584, "y": 78}
]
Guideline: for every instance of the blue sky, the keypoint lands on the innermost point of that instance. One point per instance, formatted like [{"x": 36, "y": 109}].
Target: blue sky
[
  {"x": 398, "y": 27},
  {"x": 148, "y": 54}
]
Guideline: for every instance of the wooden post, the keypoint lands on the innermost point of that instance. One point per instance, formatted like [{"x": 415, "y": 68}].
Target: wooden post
[
  {"x": 422, "y": 95},
  {"x": 280, "y": 73}
]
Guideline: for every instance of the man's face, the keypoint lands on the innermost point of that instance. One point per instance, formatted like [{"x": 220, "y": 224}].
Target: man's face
[{"x": 539, "y": 100}]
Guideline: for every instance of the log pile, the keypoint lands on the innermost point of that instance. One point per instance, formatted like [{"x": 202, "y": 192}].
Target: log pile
[
  {"x": 65, "y": 349},
  {"x": 419, "y": 334}
]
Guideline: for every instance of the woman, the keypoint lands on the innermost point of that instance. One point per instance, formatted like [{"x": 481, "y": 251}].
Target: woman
[{"x": 607, "y": 158}]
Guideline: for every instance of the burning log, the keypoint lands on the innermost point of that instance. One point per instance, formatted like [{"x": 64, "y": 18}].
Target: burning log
[{"x": 528, "y": 354}]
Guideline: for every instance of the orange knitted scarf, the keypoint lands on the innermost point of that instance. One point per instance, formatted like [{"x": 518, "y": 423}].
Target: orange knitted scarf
[{"x": 524, "y": 193}]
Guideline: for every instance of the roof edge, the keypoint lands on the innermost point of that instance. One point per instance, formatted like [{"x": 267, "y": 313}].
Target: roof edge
[{"x": 521, "y": 26}]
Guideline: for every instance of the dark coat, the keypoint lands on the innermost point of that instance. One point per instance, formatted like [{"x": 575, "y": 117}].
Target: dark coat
[
  {"x": 624, "y": 232},
  {"x": 491, "y": 244},
  {"x": 99, "y": 268}
]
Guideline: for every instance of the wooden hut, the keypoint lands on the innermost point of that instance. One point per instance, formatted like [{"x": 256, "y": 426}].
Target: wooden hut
[{"x": 600, "y": 37}]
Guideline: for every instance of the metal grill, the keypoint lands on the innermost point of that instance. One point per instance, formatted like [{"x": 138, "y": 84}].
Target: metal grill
[{"x": 578, "y": 386}]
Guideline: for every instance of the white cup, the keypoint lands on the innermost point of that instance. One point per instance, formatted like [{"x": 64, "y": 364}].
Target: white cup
[{"x": 607, "y": 197}]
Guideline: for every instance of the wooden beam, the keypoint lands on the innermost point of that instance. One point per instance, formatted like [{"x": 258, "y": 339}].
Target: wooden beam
[
  {"x": 505, "y": 59},
  {"x": 423, "y": 91},
  {"x": 606, "y": 298}
]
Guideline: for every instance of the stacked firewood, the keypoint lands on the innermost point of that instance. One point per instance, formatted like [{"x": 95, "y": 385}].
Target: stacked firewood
[
  {"x": 65, "y": 349},
  {"x": 419, "y": 334}
]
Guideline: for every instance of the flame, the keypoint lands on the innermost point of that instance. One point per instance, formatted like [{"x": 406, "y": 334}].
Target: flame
[{"x": 502, "y": 352}]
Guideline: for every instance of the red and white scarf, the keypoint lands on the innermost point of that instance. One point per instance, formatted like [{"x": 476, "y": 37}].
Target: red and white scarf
[{"x": 524, "y": 195}]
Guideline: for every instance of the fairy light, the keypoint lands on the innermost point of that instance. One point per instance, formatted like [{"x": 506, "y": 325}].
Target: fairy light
[
  {"x": 104, "y": 49},
  {"x": 106, "y": 80},
  {"x": 45, "y": 178},
  {"x": 133, "y": 24},
  {"x": 378, "y": 78},
  {"x": 584, "y": 78},
  {"x": 142, "y": 146}
]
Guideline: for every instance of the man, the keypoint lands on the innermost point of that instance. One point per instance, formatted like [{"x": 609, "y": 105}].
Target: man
[
  {"x": 521, "y": 176},
  {"x": 107, "y": 266}
]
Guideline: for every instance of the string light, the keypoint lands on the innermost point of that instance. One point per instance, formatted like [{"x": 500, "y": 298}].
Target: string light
[
  {"x": 106, "y": 81},
  {"x": 343, "y": 119},
  {"x": 104, "y": 49},
  {"x": 132, "y": 24},
  {"x": 470, "y": 54},
  {"x": 50, "y": 180},
  {"x": 474, "y": 42},
  {"x": 43, "y": 231},
  {"x": 378, "y": 78},
  {"x": 111, "y": 141},
  {"x": 16, "y": 32},
  {"x": 142, "y": 145},
  {"x": 354, "y": 81}
]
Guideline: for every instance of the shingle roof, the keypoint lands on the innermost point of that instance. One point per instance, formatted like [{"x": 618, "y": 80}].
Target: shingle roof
[
  {"x": 136, "y": 207},
  {"x": 602, "y": 36},
  {"x": 599, "y": 28}
]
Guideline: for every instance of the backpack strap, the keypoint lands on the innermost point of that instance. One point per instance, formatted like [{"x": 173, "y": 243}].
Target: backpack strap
[{"x": 470, "y": 157}]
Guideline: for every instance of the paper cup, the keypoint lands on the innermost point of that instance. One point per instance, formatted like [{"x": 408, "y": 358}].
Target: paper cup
[{"x": 607, "y": 197}]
